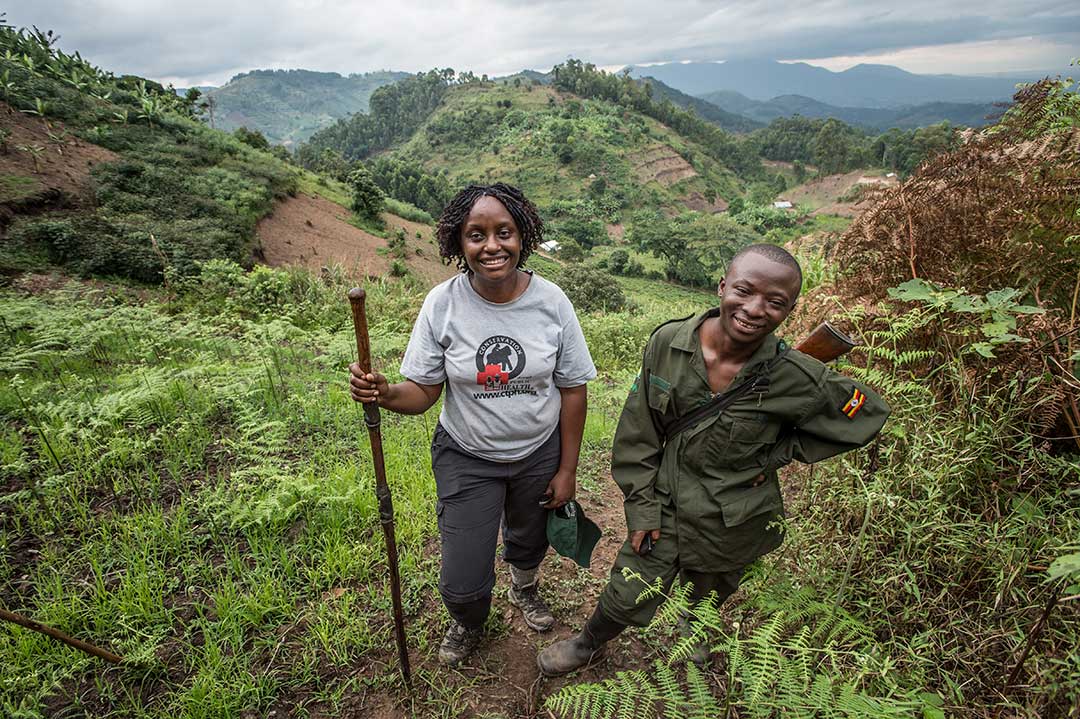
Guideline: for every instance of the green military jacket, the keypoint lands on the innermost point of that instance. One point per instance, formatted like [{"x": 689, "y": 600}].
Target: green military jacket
[{"x": 702, "y": 477}]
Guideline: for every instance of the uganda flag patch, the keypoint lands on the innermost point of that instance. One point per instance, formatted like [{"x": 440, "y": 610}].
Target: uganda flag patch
[{"x": 853, "y": 405}]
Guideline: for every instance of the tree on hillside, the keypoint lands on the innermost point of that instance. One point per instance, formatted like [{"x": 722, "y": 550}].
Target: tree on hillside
[
  {"x": 368, "y": 198},
  {"x": 830, "y": 149},
  {"x": 332, "y": 164},
  {"x": 904, "y": 150},
  {"x": 618, "y": 260},
  {"x": 252, "y": 138},
  {"x": 591, "y": 289},
  {"x": 408, "y": 181},
  {"x": 395, "y": 111},
  {"x": 695, "y": 246}
]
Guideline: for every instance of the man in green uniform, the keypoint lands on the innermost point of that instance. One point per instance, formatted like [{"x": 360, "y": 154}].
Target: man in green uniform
[{"x": 707, "y": 498}]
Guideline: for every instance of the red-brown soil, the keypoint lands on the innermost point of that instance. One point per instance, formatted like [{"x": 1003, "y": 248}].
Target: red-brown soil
[
  {"x": 61, "y": 174},
  {"x": 663, "y": 165},
  {"x": 823, "y": 195},
  {"x": 501, "y": 679},
  {"x": 696, "y": 201},
  {"x": 313, "y": 232}
]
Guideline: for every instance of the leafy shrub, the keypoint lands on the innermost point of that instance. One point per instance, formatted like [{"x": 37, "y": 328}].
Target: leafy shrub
[
  {"x": 761, "y": 218},
  {"x": 616, "y": 339},
  {"x": 617, "y": 261},
  {"x": 586, "y": 232},
  {"x": 252, "y": 138},
  {"x": 570, "y": 251},
  {"x": 591, "y": 289},
  {"x": 368, "y": 198}
]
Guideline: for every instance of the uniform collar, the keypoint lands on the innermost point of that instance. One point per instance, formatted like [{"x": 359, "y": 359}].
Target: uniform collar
[{"x": 686, "y": 339}]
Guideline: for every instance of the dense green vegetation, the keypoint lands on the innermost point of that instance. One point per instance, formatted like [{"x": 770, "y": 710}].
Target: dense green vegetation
[
  {"x": 562, "y": 150},
  {"x": 585, "y": 80},
  {"x": 178, "y": 194},
  {"x": 833, "y": 146},
  {"x": 410, "y": 182},
  {"x": 395, "y": 112},
  {"x": 730, "y": 121},
  {"x": 184, "y": 480}
]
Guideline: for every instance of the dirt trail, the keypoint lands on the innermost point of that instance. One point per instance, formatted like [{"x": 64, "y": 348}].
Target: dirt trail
[
  {"x": 501, "y": 679},
  {"x": 313, "y": 232}
]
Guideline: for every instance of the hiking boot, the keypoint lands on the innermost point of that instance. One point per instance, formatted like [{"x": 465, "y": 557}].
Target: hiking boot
[
  {"x": 564, "y": 657},
  {"x": 459, "y": 643},
  {"x": 579, "y": 650},
  {"x": 700, "y": 654},
  {"x": 524, "y": 594}
]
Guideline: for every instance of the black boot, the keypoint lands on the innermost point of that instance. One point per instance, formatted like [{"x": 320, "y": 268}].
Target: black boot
[{"x": 581, "y": 649}]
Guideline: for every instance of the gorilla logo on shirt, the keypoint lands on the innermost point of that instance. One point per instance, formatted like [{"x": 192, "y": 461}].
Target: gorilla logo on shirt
[{"x": 499, "y": 359}]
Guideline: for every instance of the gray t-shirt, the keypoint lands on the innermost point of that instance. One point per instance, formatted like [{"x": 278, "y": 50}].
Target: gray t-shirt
[{"x": 502, "y": 364}]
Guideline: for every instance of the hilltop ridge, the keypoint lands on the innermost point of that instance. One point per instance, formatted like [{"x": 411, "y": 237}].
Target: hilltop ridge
[
  {"x": 866, "y": 85},
  {"x": 288, "y": 106}
]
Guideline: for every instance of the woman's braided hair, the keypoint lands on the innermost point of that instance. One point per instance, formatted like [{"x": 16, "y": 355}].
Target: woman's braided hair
[{"x": 530, "y": 226}]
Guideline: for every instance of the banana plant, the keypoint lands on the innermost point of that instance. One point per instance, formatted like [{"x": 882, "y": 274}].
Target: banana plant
[
  {"x": 7, "y": 86},
  {"x": 35, "y": 152},
  {"x": 40, "y": 108},
  {"x": 60, "y": 139},
  {"x": 151, "y": 110}
]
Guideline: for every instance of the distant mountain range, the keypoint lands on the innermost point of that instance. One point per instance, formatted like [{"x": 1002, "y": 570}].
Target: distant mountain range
[
  {"x": 725, "y": 117},
  {"x": 863, "y": 86},
  {"x": 870, "y": 118},
  {"x": 288, "y": 106}
]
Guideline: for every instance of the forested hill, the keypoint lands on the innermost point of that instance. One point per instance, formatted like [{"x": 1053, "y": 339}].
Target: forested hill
[
  {"x": 871, "y": 118},
  {"x": 587, "y": 133},
  {"x": 287, "y": 106},
  {"x": 732, "y": 120}
]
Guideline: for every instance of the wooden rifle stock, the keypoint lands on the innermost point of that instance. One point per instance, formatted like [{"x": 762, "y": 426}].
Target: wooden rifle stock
[{"x": 826, "y": 343}]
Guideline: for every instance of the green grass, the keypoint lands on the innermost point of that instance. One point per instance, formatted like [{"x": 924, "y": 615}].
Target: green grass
[
  {"x": 646, "y": 259},
  {"x": 200, "y": 494},
  {"x": 14, "y": 188},
  {"x": 184, "y": 480},
  {"x": 406, "y": 211},
  {"x": 325, "y": 187},
  {"x": 812, "y": 224}
]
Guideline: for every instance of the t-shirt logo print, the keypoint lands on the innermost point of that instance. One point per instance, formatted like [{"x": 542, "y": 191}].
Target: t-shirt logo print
[{"x": 499, "y": 359}]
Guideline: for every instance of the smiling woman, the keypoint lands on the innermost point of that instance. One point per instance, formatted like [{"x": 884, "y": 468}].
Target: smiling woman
[{"x": 507, "y": 346}]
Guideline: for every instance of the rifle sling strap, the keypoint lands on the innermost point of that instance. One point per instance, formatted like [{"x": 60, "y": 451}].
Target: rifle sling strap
[{"x": 758, "y": 383}]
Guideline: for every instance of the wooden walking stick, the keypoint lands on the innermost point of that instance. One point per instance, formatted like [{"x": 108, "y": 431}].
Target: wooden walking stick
[
  {"x": 59, "y": 635},
  {"x": 382, "y": 490}
]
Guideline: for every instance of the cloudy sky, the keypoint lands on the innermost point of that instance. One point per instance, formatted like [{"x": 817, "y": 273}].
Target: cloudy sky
[{"x": 199, "y": 42}]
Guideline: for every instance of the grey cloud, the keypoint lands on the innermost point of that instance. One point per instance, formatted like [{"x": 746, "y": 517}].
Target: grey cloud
[{"x": 200, "y": 40}]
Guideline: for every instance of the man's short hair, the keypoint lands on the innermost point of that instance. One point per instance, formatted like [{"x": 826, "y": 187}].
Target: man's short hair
[{"x": 769, "y": 252}]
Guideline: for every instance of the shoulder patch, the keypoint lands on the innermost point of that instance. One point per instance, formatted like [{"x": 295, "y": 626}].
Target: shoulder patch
[
  {"x": 659, "y": 382},
  {"x": 854, "y": 403}
]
